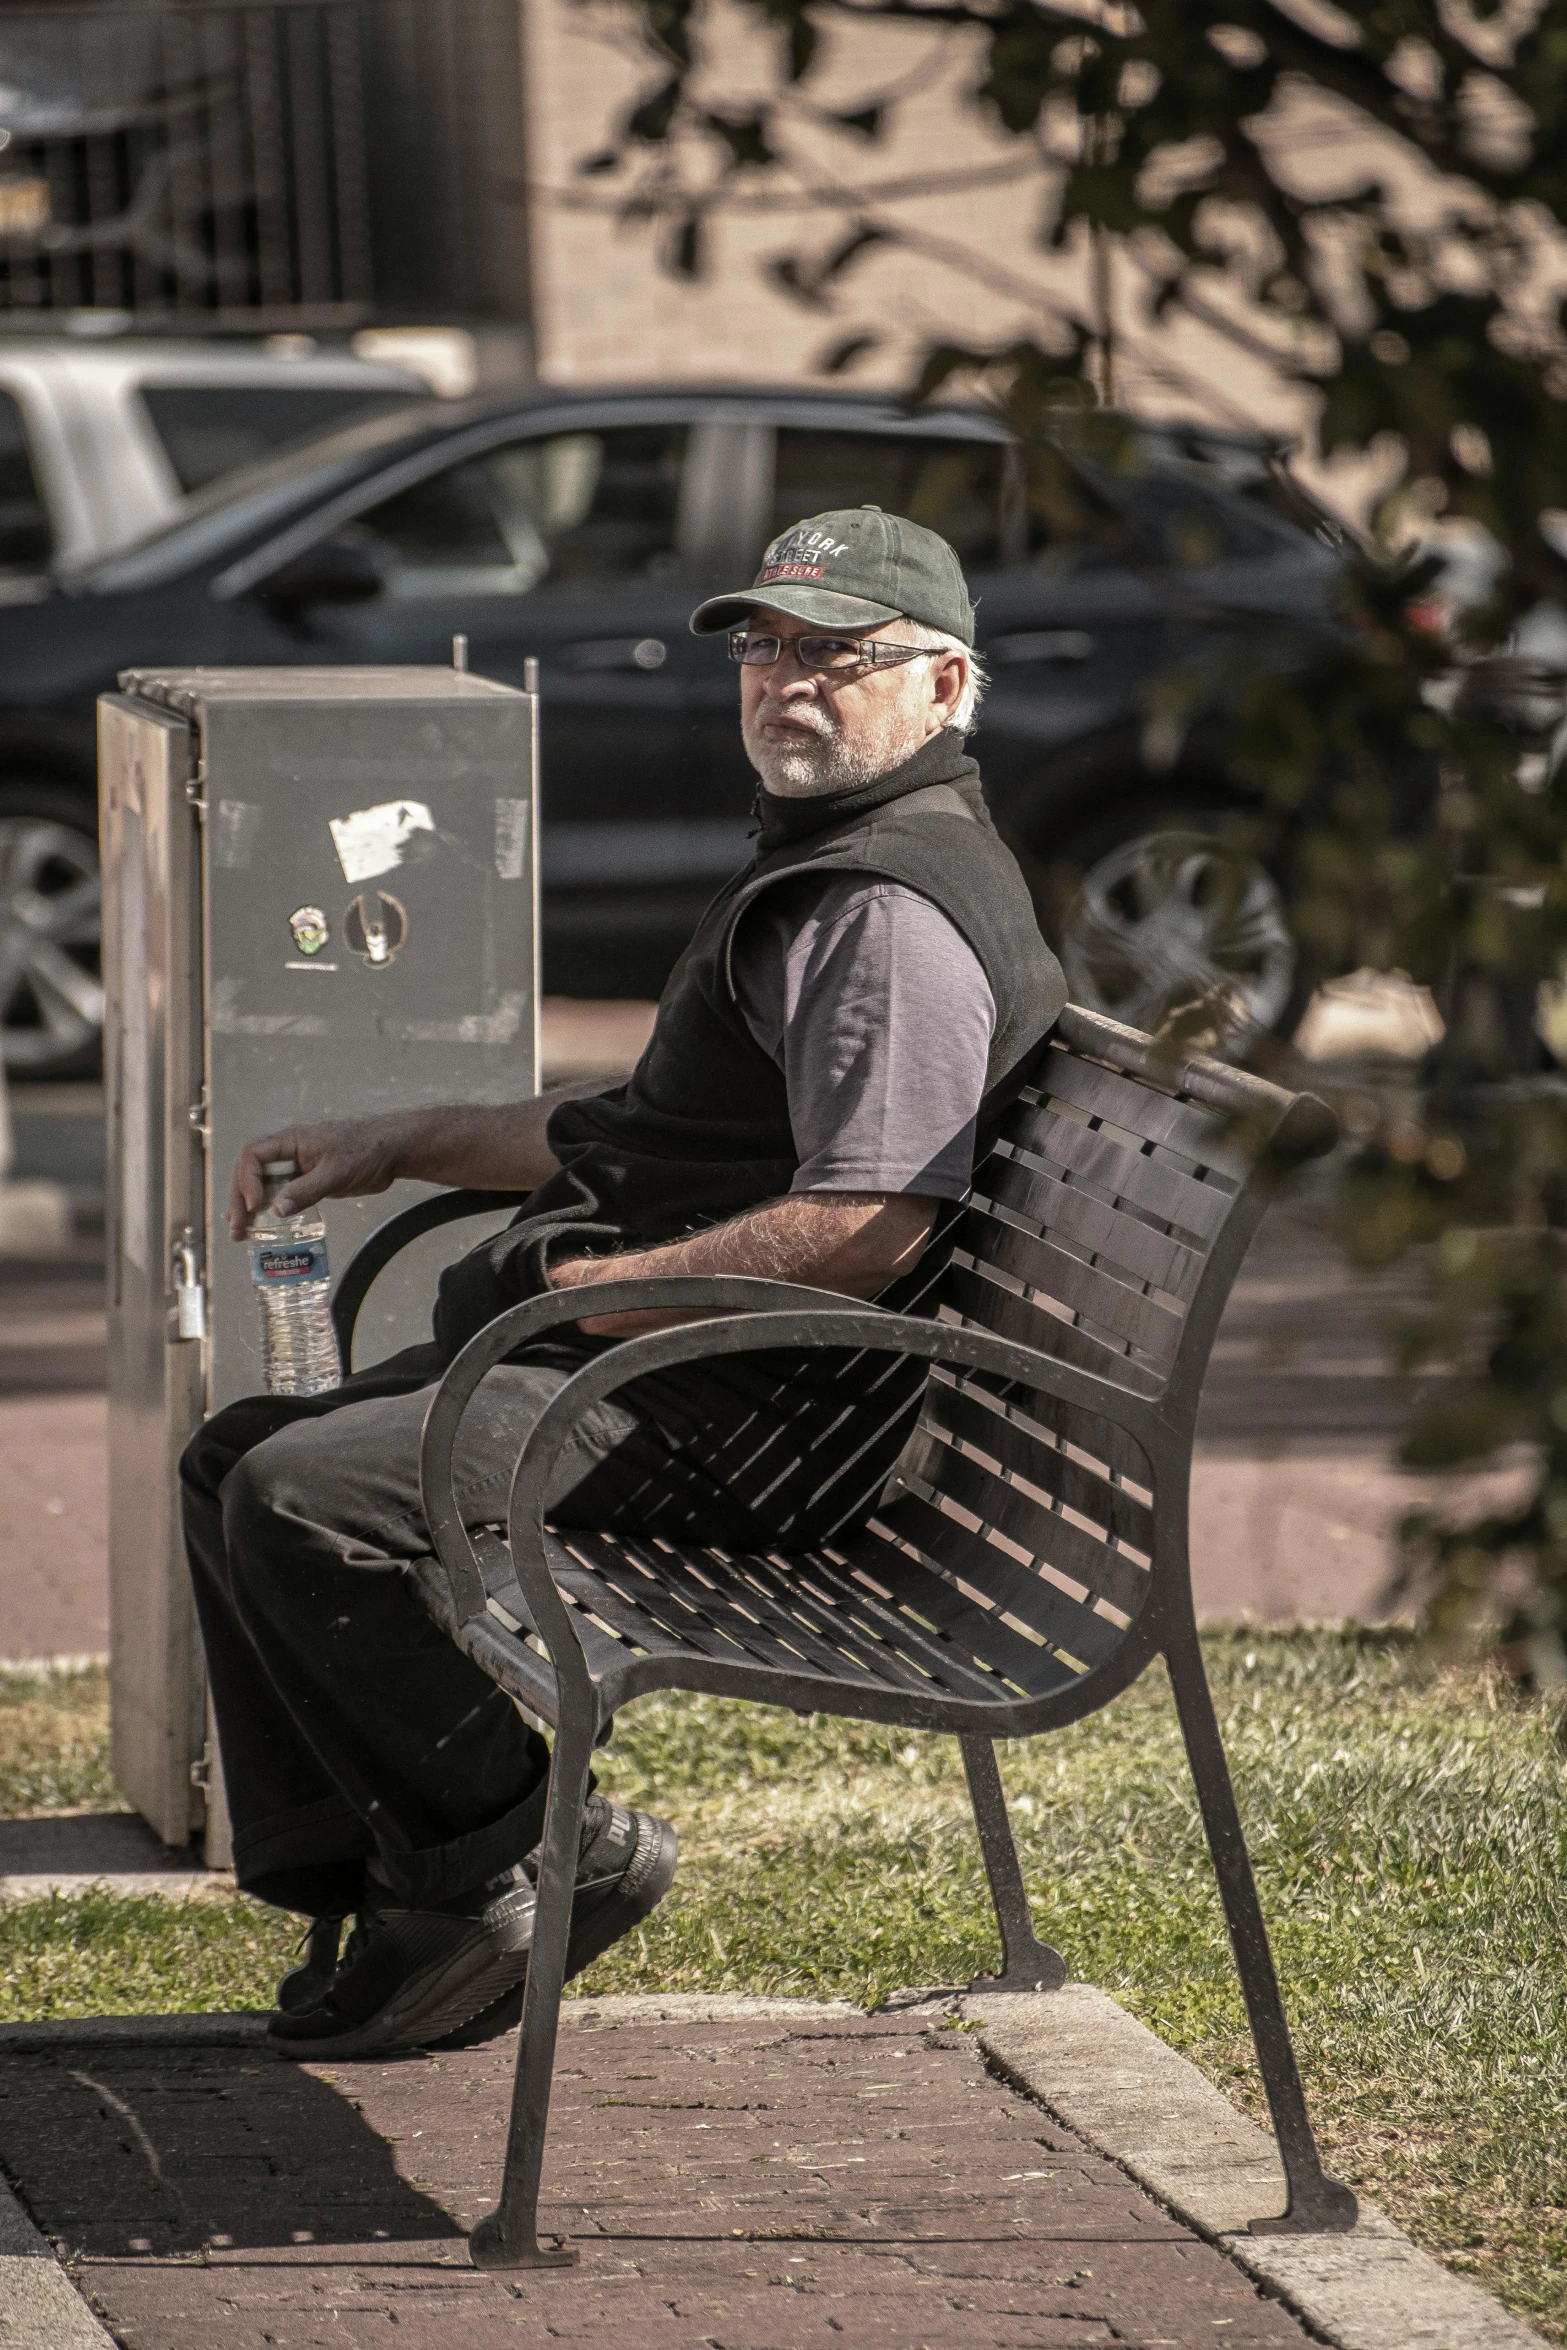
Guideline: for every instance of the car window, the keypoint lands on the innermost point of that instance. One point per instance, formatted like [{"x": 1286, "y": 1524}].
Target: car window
[
  {"x": 208, "y": 430},
  {"x": 587, "y": 510},
  {"x": 26, "y": 539},
  {"x": 950, "y": 485},
  {"x": 1070, "y": 523},
  {"x": 1186, "y": 526},
  {"x": 240, "y": 508}
]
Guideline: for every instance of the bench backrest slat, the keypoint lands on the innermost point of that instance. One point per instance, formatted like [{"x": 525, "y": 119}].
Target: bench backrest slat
[
  {"x": 959, "y": 1411},
  {"x": 1045, "y": 1325},
  {"x": 1106, "y": 1168},
  {"x": 1197, "y": 1134},
  {"x": 1041, "y": 1202},
  {"x": 1093, "y": 1287}
]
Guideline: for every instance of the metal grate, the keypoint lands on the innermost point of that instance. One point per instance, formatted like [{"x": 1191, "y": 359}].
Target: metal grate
[{"x": 302, "y": 162}]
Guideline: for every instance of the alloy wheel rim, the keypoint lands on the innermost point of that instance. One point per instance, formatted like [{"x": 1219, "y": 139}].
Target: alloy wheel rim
[
  {"x": 1169, "y": 917},
  {"x": 51, "y": 995}
]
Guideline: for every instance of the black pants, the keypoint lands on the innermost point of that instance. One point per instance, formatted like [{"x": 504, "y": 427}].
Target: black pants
[{"x": 349, "y": 1726}]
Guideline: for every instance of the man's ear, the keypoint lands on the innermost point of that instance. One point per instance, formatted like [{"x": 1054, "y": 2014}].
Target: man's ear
[{"x": 950, "y": 674}]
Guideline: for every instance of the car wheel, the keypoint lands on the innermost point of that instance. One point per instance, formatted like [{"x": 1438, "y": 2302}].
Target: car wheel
[
  {"x": 51, "y": 984},
  {"x": 1174, "y": 911}
]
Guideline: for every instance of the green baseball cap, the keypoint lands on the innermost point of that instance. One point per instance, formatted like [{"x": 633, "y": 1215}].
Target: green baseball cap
[{"x": 852, "y": 568}]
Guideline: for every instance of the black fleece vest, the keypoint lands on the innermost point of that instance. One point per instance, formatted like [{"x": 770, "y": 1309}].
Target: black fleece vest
[{"x": 700, "y": 1130}]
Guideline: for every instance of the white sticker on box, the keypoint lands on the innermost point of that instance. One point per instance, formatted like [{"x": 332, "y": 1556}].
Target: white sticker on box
[
  {"x": 238, "y": 825},
  {"x": 511, "y": 838},
  {"x": 374, "y": 840}
]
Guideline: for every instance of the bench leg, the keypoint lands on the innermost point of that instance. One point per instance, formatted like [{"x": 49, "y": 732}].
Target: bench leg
[
  {"x": 1317, "y": 2205},
  {"x": 1027, "y": 1964},
  {"x": 509, "y": 2236}
]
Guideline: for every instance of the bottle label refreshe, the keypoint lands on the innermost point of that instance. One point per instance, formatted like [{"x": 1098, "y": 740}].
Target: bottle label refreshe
[{"x": 277, "y": 1264}]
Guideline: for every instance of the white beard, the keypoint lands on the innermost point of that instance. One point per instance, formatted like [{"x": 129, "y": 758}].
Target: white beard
[{"x": 808, "y": 770}]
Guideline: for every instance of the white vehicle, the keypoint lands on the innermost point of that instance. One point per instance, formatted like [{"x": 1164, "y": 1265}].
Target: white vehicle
[
  {"x": 99, "y": 441},
  {"x": 99, "y": 444}
]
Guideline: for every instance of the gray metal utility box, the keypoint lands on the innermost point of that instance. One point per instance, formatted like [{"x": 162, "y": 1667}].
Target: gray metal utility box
[{"x": 320, "y": 900}]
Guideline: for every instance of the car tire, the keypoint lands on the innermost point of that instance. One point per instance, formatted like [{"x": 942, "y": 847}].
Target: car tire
[
  {"x": 1153, "y": 905},
  {"x": 51, "y": 984}
]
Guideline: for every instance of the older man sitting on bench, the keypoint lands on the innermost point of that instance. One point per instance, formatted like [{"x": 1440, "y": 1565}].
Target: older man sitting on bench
[{"x": 837, "y": 1045}]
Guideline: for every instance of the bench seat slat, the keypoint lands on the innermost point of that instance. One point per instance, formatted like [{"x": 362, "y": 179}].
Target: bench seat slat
[
  {"x": 657, "y": 1624},
  {"x": 894, "y": 1653},
  {"x": 602, "y": 1577},
  {"x": 500, "y": 1582},
  {"x": 969, "y": 1417},
  {"x": 746, "y": 1616},
  {"x": 1000, "y": 1655},
  {"x": 923, "y": 1584},
  {"x": 621, "y": 1581},
  {"x": 829, "y": 1636},
  {"x": 949, "y": 1547},
  {"x": 808, "y": 1587},
  {"x": 1119, "y": 1239},
  {"x": 880, "y": 1644},
  {"x": 916, "y": 1615}
]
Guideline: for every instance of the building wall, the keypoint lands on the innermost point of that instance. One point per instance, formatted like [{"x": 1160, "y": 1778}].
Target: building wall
[{"x": 964, "y": 210}]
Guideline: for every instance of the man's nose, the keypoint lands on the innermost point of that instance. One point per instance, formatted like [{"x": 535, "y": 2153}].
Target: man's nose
[{"x": 786, "y": 677}]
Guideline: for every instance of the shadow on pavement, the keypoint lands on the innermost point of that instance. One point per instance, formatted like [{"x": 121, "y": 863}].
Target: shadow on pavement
[
  {"x": 161, "y": 2151},
  {"x": 99, "y": 1844}
]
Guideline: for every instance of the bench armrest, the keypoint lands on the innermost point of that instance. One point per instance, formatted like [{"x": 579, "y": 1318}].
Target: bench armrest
[
  {"x": 752, "y": 1315},
  {"x": 735, "y": 1295},
  {"x": 388, "y": 1240}
]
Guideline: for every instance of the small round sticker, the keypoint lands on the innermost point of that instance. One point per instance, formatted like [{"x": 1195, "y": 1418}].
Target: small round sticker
[{"x": 309, "y": 927}]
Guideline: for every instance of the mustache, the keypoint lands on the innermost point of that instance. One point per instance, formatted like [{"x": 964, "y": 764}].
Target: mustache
[{"x": 822, "y": 723}]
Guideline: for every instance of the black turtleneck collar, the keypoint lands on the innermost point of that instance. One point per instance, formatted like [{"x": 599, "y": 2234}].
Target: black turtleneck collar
[{"x": 942, "y": 760}]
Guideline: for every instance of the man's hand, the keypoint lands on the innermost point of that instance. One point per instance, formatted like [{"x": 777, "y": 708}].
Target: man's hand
[
  {"x": 468, "y": 1146},
  {"x": 854, "y": 1242},
  {"x": 337, "y": 1158}
]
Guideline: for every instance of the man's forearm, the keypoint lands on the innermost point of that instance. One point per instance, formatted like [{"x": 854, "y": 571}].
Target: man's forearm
[
  {"x": 853, "y": 1242},
  {"x": 480, "y": 1146},
  {"x": 471, "y": 1146}
]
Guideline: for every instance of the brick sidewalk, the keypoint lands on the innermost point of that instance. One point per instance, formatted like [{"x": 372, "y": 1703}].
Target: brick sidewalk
[{"x": 759, "y": 2183}]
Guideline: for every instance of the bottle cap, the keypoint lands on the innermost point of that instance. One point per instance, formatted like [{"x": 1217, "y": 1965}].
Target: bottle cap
[{"x": 280, "y": 1167}]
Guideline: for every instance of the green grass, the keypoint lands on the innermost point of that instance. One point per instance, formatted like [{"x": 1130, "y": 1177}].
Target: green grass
[
  {"x": 54, "y": 1743},
  {"x": 1408, "y": 1821}
]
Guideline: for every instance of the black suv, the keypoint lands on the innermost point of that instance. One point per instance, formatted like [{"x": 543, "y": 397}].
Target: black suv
[{"x": 581, "y": 528}]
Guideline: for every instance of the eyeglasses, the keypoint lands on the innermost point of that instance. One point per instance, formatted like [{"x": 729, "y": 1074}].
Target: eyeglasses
[{"x": 821, "y": 656}]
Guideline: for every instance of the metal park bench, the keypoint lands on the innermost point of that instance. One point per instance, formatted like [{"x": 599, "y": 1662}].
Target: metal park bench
[{"x": 1029, "y": 1557}]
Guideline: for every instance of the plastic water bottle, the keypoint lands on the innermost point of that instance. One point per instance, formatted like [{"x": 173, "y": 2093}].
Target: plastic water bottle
[{"x": 294, "y": 1293}]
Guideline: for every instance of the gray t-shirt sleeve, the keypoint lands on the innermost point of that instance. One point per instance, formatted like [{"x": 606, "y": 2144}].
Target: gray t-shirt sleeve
[{"x": 879, "y": 1013}]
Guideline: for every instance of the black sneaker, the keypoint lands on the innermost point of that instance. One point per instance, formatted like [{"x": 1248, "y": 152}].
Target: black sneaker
[
  {"x": 307, "y": 1984},
  {"x": 627, "y": 1866},
  {"x": 409, "y": 1975}
]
